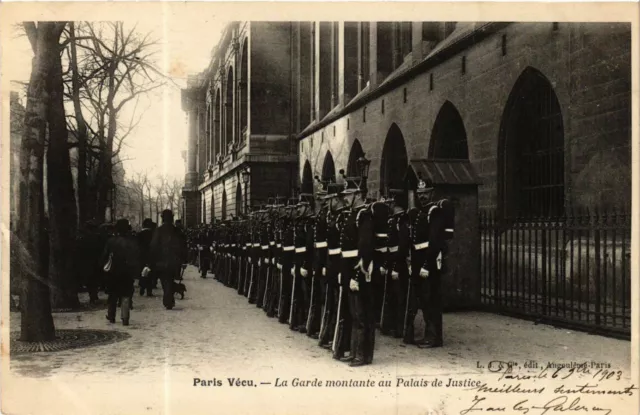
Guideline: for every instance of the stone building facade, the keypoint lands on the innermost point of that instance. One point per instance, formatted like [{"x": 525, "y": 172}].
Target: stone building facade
[
  {"x": 239, "y": 112},
  {"x": 541, "y": 110}
]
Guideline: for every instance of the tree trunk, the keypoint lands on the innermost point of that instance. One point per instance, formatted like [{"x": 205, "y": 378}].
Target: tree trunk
[
  {"x": 82, "y": 132},
  {"x": 61, "y": 197},
  {"x": 35, "y": 307}
]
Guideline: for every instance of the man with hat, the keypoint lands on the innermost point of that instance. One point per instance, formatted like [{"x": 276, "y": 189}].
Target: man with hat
[
  {"x": 356, "y": 243},
  {"x": 431, "y": 226}
]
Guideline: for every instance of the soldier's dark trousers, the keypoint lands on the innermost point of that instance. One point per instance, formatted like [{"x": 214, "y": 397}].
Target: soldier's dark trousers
[
  {"x": 262, "y": 281},
  {"x": 432, "y": 300},
  {"x": 253, "y": 280},
  {"x": 316, "y": 299},
  {"x": 286, "y": 283},
  {"x": 342, "y": 336},
  {"x": 274, "y": 292},
  {"x": 377, "y": 285},
  {"x": 330, "y": 300},
  {"x": 395, "y": 308},
  {"x": 298, "y": 304},
  {"x": 361, "y": 306}
]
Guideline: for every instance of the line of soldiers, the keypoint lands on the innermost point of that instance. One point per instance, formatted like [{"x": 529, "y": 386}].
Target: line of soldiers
[{"x": 341, "y": 265}]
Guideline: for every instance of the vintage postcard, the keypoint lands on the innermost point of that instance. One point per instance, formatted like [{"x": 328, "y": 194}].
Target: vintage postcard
[{"x": 290, "y": 208}]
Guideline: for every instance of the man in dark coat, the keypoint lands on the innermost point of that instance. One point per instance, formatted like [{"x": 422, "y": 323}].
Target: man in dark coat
[
  {"x": 121, "y": 251},
  {"x": 168, "y": 253}
]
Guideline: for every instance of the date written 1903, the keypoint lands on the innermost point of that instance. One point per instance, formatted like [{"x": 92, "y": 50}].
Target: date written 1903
[{"x": 511, "y": 370}]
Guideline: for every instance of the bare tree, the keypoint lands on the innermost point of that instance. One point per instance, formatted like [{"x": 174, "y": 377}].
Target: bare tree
[
  {"x": 115, "y": 69},
  {"x": 36, "y": 320}
]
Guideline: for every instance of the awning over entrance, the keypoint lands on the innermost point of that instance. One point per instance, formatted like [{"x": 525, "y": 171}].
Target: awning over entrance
[{"x": 441, "y": 172}]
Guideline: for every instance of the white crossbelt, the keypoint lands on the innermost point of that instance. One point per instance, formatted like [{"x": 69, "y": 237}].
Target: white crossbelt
[
  {"x": 420, "y": 246},
  {"x": 381, "y": 235},
  {"x": 350, "y": 254},
  {"x": 299, "y": 250},
  {"x": 321, "y": 244},
  {"x": 334, "y": 251},
  {"x": 393, "y": 248},
  {"x": 256, "y": 245},
  {"x": 381, "y": 249},
  {"x": 448, "y": 230},
  {"x": 272, "y": 243},
  {"x": 265, "y": 246},
  {"x": 288, "y": 248},
  {"x": 278, "y": 245},
  {"x": 248, "y": 244}
]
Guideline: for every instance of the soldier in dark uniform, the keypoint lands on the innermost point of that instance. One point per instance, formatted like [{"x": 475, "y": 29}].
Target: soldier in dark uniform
[
  {"x": 346, "y": 225},
  {"x": 300, "y": 290},
  {"x": 357, "y": 244},
  {"x": 204, "y": 253},
  {"x": 270, "y": 282},
  {"x": 286, "y": 264},
  {"x": 440, "y": 218},
  {"x": 397, "y": 271},
  {"x": 265, "y": 258},
  {"x": 380, "y": 216},
  {"x": 317, "y": 258},
  {"x": 332, "y": 268}
]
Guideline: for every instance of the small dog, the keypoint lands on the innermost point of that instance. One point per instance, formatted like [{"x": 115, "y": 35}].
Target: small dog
[{"x": 179, "y": 288}]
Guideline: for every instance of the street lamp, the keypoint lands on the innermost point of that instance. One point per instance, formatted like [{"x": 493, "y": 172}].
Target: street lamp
[
  {"x": 246, "y": 176},
  {"x": 363, "y": 167}
]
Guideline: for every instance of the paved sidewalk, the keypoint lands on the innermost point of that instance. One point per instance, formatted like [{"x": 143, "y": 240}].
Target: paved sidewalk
[{"x": 215, "y": 334}]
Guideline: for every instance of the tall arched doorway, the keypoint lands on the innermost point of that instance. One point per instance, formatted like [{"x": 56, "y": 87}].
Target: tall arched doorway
[
  {"x": 328, "y": 168},
  {"x": 355, "y": 153},
  {"x": 394, "y": 161},
  {"x": 239, "y": 208},
  {"x": 448, "y": 137},
  {"x": 224, "y": 205},
  {"x": 242, "y": 86},
  {"x": 228, "y": 110},
  {"x": 307, "y": 178},
  {"x": 531, "y": 149},
  {"x": 217, "y": 137}
]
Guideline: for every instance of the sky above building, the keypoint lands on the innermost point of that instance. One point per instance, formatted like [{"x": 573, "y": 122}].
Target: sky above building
[{"x": 185, "y": 45}]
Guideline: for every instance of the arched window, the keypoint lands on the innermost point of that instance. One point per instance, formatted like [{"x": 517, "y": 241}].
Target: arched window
[
  {"x": 394, "y": 162},
  {"x": 217, "y": 134},
  {"x": 531, "y": 153},
  {"x": 448, "y": 137},
  {"x": 204, "y": 210},
  {"x": 243, "y": 89},
  {"x": 213, "y": 208},
  {"x": 307, "y": 178},
  {"x": 355, "y": 153},
  {"x": 328, "y": 168},
  {"x": 238, "y": 200},
  {"x": 228, "y": 109},
  {"x": 224, "y": 205}
]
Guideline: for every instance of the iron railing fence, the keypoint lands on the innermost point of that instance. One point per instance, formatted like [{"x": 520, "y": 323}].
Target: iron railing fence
[{"x": 571, "y": 270}]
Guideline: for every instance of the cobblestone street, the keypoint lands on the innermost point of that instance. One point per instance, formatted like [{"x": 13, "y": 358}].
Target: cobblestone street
[{"x": 215, "y": 334}]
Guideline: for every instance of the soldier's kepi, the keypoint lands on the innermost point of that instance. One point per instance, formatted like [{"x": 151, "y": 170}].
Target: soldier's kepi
[{"x": 356, "y": 243}]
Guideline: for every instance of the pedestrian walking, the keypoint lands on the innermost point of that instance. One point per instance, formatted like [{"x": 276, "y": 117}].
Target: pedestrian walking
[
  {"x": 168, "y": 251},
  {"x": 144, "y": 241},
  {"x": 121, "y": 257}
]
